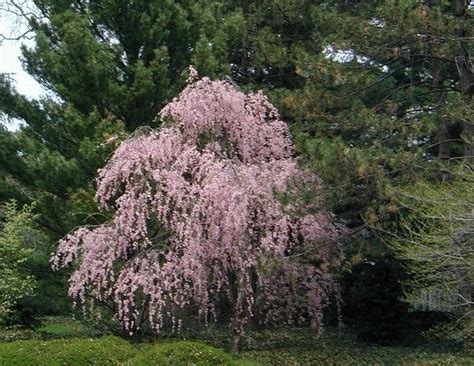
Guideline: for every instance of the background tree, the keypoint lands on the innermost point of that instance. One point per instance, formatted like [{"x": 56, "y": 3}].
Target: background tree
[
  {"x": 18, "y": 239},
  {"x": 109, "y": 67},
  {"x": 438, "y": 243},
  {"x": 382, "y": 107}
]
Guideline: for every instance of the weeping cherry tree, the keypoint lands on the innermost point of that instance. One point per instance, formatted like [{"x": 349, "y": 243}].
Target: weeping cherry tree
[{"x": 209, "y": 212}]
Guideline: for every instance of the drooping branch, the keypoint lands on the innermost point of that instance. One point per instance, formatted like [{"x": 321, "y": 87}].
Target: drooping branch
[{"x": 202, "y": 214}]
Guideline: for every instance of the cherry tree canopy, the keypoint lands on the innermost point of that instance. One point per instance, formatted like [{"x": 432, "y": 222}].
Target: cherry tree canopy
[{"x": 206, "y": 212}]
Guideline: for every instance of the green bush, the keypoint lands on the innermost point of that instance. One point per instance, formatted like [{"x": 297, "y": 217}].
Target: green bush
[
  {"x": 87, "y": 351},
  {"x": 271, "y": 347},
  {"x": 18, "y": 236},
  {"x": 182, "y": 353},
  {"x": 112, "y": 350}
]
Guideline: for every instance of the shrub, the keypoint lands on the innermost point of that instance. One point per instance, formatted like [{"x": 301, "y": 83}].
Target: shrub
[
  {"x": 18, "y": 237},
  {"x": 181, "y": 353},
  {"x": 111, "y": 351},
  {"x": 102, "y": 351}
]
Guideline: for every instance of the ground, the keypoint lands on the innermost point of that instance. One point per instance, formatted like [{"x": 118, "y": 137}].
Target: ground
[{"x": 62, "y": 341}]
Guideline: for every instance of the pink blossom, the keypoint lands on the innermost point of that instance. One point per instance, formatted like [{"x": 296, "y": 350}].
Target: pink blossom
[{"x": 197, "y": 219}]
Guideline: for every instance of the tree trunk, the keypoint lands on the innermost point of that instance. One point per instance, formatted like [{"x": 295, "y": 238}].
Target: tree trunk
[
  {"x": 438, "y": 77},
  {"x": 463, "y": 62},
  {"x": 443, "y": 129}
]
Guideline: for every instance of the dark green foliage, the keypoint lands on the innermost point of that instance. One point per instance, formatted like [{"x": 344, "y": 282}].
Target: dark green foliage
[
  {"x": 53, "y": 159},
  {"x": 429, "y": 322},
  {"x": 373, "y": 300}
]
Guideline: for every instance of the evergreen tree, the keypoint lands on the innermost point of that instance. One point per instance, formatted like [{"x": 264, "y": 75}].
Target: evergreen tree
[
  {"x": 379, "y": 94},
  {"x": 109, "y": 66}
]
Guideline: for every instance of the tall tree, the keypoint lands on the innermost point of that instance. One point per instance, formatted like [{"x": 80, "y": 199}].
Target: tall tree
[
  {"x": 377, "y": 95},
  {"x": 109, "y": 66}
]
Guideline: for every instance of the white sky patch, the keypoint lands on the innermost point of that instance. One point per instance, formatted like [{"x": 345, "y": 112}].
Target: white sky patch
[
  {"x": 10, "y": 63},
  {"x": 377, "y": 22},
  {"x": 348, "y": 55},
  {"x": 338, "y": 55}
]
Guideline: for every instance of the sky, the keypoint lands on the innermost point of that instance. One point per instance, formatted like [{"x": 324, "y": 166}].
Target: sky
[{"x": 10, "y": 54}]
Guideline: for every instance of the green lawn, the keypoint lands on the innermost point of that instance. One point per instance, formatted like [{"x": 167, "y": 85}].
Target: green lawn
[
  {"x": 66, "y": 342},
  {"x": 111, "y": 350}
]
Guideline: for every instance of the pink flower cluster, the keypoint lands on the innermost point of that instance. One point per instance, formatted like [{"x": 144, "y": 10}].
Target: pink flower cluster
[{"x": 198, "y": 221}]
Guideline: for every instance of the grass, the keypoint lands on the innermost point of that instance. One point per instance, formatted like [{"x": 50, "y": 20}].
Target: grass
[
  {"x": 50, "y": 328},
  {"x": 75, "y": 351},
  {"x": 61, "y": 330},
  {"x": 300, "y": 347},
  {"x": 332, "y": 350},
  {"x": 112, "y": 350},
  {"x": 67, "y": 342}
]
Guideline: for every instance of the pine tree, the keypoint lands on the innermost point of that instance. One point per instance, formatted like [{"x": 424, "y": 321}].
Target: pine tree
[{"x": 109, "y": 67}]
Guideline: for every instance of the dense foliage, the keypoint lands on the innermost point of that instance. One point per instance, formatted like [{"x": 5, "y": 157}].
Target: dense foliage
[
  {"x": 18, "y": 239},
  {"x": 374, "y": 300},
  {"x": 438, "y": 241}
]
